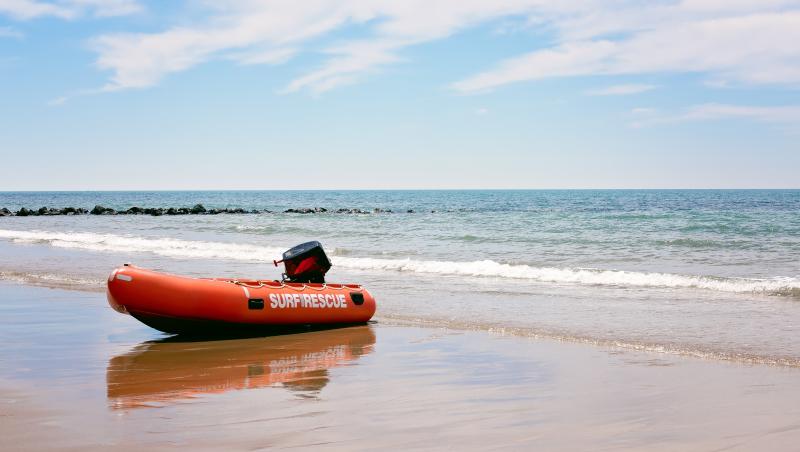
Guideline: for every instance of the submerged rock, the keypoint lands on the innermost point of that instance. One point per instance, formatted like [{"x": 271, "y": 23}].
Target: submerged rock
[
  {"x": 351, "y": 211},
  {"x": 198, "y": 208},
  {"x": 100, "y": 210},
  {"x": 5, "y": 212}
]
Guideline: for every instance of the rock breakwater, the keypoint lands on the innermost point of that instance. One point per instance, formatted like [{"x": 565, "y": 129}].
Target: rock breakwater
[{"x": 197, "y": 209}]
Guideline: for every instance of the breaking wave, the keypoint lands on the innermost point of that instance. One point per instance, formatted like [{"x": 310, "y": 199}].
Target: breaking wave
[
  {"x": 177, "y": 248},
  {"x": 168, "y": 247}
]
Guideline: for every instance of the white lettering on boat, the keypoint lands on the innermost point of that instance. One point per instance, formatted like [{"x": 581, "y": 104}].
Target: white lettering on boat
[{"x": 312, "y": 301}]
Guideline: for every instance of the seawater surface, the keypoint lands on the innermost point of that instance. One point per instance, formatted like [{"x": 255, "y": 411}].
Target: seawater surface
[{"x": 707, "y": 273}]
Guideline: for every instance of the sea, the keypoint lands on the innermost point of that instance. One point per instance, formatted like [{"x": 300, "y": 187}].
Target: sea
[{"x": 709, "y": 274}]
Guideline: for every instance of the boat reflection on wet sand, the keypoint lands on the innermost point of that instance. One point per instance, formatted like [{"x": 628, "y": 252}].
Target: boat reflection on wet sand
[{"x": 163, "y": 372}]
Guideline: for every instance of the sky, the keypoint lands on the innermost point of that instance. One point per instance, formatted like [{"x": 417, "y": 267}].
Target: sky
[{"x": 372, "y": 94}]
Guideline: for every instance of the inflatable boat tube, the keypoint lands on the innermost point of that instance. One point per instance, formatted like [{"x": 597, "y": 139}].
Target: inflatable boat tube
[{"x": 176, "y": 304}]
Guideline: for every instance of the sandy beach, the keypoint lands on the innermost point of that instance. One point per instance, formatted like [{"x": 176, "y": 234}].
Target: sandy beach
[{"x": 77, "y": 376}]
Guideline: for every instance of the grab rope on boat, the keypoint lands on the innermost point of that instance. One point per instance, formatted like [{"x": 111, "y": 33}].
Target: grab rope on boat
[{"x": 281, "y": 285}]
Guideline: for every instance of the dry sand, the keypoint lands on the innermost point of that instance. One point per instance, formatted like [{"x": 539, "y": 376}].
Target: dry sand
[{"x": 74, "y": 375}]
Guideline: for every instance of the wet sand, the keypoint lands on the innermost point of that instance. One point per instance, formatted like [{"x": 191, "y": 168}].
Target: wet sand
[{"x": 74, "y": 375}]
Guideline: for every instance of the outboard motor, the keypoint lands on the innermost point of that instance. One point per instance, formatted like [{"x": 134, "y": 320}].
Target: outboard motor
[{"x": 305, "y": 263}]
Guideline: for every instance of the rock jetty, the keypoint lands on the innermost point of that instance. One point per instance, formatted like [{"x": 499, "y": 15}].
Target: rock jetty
[{"x": 197, "y": 209}]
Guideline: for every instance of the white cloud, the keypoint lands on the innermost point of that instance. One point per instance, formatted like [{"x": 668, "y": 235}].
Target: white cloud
[
  {"x": 780, "y": 115},
  {"x": 58, "y": 101},
  {"x": 106, "y": 8},
  {"x": 717, "y": 83},
  {"x": 29, "y": 9},
  {"x": 750, "y": 42},
  {"x": 620, "y": 90},
  {"x": 349, "y": 62},
  {"x": 67, "y": 9},
  {"x": 736, "y": 41},
  {"x": 269, "y": 56},
  {"x": 8, "y": 32},
  {"x": 643, "y": 111},
  {"x": 568, "y": 60},
  {"x": 240, "y": 29}
]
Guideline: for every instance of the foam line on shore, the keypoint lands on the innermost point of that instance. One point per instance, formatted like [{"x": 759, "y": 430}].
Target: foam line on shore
[
  {"x": 177, "y": 248},
  {"x": 53, "y": 280},
  {"x": 669, "y": 348}
]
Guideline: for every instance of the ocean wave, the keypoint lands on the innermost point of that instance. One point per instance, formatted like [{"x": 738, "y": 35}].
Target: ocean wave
[
  {"x": 271, "y": 229},
  {"x": 168, "y": 247},
  {"x": 582, "y": 276},
  {"x": 52, "y": 280},
  {"x": 177, "y": 248},
  {"x": 707, "y": 243}
]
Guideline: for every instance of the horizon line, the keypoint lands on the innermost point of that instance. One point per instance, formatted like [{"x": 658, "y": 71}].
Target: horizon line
[{"x": 389, "y": 189}]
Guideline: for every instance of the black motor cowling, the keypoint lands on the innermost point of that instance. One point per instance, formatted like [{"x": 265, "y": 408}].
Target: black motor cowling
[{"x": 306, "y": 263}]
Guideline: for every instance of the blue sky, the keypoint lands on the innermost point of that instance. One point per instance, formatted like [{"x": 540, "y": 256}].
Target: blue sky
[{"x": 247, "y": 94}]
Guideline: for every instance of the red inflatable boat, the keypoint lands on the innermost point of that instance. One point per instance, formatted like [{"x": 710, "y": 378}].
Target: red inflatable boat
[{"x": 176, "y": 304}]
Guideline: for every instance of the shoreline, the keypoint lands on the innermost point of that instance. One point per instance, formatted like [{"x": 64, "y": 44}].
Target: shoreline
[
  {"x": 376, "y": 386},
  {"x": 538, "y": 334}
]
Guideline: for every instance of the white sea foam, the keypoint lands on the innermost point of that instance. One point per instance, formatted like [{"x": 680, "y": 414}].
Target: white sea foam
[
  {"x": 177, "y": 248},
  {"x": 702, "y": 351},
  {"x": 587, "y": 276},
  {"x": 168, "y": 247},
  {"x": 51, "y": 280}
]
